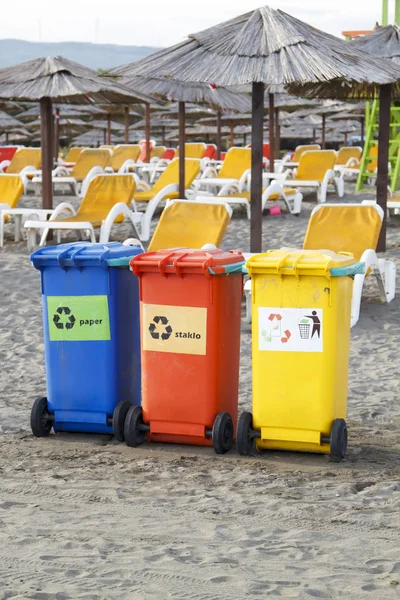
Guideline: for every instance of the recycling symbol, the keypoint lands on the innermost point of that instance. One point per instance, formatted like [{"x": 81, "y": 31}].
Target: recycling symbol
[
  {"x": 68, "y": 322},
  {"x": 160, "y": 326}
]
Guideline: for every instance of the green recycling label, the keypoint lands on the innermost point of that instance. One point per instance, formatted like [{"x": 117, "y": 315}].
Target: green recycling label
[{"x": 78, "y": 318}]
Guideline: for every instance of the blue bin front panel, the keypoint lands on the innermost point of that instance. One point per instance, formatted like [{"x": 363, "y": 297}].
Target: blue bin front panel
[{"x": 86, "y": 379}]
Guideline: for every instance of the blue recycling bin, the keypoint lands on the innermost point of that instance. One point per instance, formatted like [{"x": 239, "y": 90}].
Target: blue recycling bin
[{"x": 91, "y": 335}]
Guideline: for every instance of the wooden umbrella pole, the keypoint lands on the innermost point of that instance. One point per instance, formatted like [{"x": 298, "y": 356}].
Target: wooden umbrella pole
[
  {"x": 163, "y": 135},
  {"x": 126, "y": 124},
  {"x": 271, "y": 133},
  {"x": 362, "y": 131},
  {"x": 6, "y": 137},
  {"x": 232, "y": 135},
  {"x": 47, "y": 145},
  {"x": 314, "y": 134},
  {"x": 108, "y": 129},
  {"x": 219, "y": 141},
  {"x": 147, "y": 126},
  {"x": 382, "y": 179},
  {"x": 257, "y": 118},
  {"x": 182, "y": 141},
  {"x": 323, "y": 132},
  {"x": 277, "y": 135},
  {"x": 345, "y": 138},
  {"x": 56, "y": 134}
]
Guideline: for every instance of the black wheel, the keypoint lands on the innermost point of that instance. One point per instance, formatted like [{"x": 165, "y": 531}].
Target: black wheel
[
  {"x": 222, "y": 433},
  {"x": 118, "y": 420},
  {"x": 244, "y": 434},
  {"x": 41, "y": 423},
  {"x": 134, "y": 435},
  {"x": 338, "y": 440}
]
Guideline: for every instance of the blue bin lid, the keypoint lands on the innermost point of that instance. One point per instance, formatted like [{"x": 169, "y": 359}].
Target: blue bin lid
[{"x": 82, "y": 254}]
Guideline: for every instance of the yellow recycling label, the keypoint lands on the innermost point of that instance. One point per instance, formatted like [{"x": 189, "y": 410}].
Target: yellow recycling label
[{"x": 178, "y": 329}]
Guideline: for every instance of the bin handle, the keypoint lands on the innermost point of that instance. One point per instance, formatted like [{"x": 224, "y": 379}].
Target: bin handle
[
  {"x": 73, "y": 256},
  {"x": 162, "y": 263},
  {"x": 61, "y": 256},
  {"x": 295, "y": 263},
  {"x": 176, "y": 266}
]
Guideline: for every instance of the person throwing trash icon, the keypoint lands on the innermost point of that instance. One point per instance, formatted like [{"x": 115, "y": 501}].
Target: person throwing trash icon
[{"x": 316, "y": 324}]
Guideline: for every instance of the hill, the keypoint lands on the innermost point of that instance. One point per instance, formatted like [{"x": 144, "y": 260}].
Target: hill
[{"x": 96, "y": 56}]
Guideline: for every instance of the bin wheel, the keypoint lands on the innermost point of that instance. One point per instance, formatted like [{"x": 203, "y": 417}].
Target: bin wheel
[
  {"x": 222, "y": 433},
  {"x": 338, "y": 441},
  {"x": 118, "y": 419},
  {"x": 41, "y": 423},
  {"x": 244, "y": 434},
  {"x": 134, "y": 435}
]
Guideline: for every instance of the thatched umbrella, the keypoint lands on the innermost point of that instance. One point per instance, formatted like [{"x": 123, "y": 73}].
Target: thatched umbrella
[
  {"x": 8, "y": 123},
  {"x": 174, "y": 89},
  {"x": 268, "y": 47},
  {"x": 57, "y": 79},
  {"x": 230, "y": 119}
]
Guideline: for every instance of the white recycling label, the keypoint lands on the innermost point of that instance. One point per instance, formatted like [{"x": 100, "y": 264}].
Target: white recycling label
[{"x": 290, "y": 329}]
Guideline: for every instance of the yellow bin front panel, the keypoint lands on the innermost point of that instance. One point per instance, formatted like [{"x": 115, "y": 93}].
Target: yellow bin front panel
[{"x": 300, "y": 384}]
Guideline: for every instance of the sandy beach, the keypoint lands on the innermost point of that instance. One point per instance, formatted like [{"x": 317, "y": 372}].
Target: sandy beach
[{"x": 84, "y": 517}]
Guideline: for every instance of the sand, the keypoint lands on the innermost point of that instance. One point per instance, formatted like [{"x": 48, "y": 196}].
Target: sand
[{"x": 84, "y": 517}]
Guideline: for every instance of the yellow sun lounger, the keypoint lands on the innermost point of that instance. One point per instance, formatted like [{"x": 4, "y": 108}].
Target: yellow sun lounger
[
  {"x": 73, "y": 154},
  {"x": 193, "y": 150},
  {"x": 167, "y": 185},
  {"x": 103, "y": 194},
  {"x": 234, "y": 170},
  {"x": 275, "y": 192},
  {"x": 90, "y": 162},
  {"x": 190, "y": 224},
  {"x": 123, "y": 157},
  {"x": 352, "y": 228},
  {"x": 298, "y": 153},
  {"x": 316, "y": 170},
  {"x": 11, "y": 190},
  {"x": 24, "y": 160}
]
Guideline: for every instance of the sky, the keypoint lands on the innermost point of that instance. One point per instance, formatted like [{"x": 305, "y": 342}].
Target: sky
[{"x": 166, "y": 22}]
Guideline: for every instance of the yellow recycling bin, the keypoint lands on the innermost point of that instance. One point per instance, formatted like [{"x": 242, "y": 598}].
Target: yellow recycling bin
[{"x": 301, "y": 337}]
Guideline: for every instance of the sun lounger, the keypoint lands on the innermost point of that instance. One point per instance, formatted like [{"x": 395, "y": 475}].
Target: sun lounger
[
  {"x": 123, "y": 158},
  {"x": 189, "y": 224},
  {"x": 104, "y": 192},
  {"x": 316, "y": 170},
  {"x": 234, "y": 171},
  {"x": 275, "y": 193},
  {"x": 350, "y": 228},
  {"x": 23, "y": 161},
  {"x": 90, "y": 162}
]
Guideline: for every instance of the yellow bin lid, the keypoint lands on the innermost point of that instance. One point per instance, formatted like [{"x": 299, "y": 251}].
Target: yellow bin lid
[{"x": 291, "y": 261}]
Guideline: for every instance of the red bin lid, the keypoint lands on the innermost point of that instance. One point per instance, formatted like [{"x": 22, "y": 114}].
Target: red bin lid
[{"x": 183, "y": 260}]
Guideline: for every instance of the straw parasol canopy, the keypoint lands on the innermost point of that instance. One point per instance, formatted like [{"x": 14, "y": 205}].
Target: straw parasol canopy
[
  {"x": 269, "y": 47},
  {"x": 171, "y": 89},
  {"x": 384, "y": 42},
  {"x": 65, "y": 110},
  {"x": 57, "y": 79},
  {"x": 7, "y": 122}
]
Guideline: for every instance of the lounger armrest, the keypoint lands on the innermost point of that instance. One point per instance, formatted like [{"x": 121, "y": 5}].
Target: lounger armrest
[
  {"x": 61, "y": 171},
  {"x": 209, "y": 172},
  {"x": 4, "y": 164},
  {"x": 63, "y": 207},
  {"x": 143, "y": 186},
  {"x": 230, "y": 188},
  {"x": 244, "y": 181}
]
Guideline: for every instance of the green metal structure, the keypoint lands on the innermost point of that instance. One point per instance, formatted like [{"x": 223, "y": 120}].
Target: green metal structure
[{"x": 372, "y": 125}]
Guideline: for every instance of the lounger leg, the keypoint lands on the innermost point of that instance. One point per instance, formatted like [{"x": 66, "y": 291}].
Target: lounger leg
[
  {"x": 356, "y": 298},
  {"x": 31, "y": 239}
]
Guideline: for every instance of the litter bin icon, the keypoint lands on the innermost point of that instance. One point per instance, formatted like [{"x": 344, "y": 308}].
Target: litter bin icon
[
  {"x": 300, "y": 351},
  {"x": 190, "y": 341},
  {"x": 91, "y": 336}
]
